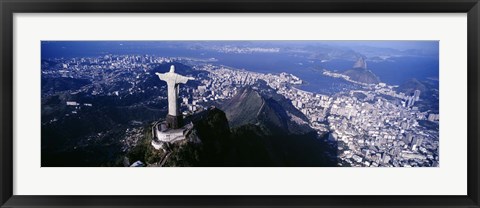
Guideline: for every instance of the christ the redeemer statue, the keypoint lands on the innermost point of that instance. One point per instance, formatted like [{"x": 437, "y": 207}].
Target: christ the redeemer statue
[{"x": 173, "y": 81}]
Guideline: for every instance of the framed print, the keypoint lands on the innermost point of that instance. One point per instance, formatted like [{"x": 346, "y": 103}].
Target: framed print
[{"x": 266, "y": 103}]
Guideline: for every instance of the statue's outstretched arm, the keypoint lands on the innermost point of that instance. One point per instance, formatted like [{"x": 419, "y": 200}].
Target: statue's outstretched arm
[
  {"x": 161, "y": 76},
  {"x": 183, "y": 79}
]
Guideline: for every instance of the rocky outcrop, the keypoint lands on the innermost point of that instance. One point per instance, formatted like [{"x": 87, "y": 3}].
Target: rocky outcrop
[{"x": 360, "y": 73}]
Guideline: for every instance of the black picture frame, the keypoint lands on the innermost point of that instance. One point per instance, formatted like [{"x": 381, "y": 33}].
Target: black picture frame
[{"x": 9, "y": 7}]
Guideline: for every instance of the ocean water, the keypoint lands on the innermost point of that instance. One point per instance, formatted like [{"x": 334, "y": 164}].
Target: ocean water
[{"x": 396, "y": 70}]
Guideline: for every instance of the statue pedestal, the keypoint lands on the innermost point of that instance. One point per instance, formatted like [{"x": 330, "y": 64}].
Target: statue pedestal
[
  {"x": 162, "y": 136},
  {"x": 174, "y": 122}
]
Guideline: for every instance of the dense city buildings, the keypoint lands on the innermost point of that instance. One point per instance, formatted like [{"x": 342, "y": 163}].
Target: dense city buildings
[{"x": 372, "y": 125}]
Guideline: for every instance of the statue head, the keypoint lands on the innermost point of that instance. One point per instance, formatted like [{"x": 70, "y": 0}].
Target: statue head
[{"x": 172, "y": 68}]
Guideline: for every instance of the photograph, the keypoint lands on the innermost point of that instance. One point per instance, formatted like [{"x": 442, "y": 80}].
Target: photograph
[{"x": 240, "y": 103}]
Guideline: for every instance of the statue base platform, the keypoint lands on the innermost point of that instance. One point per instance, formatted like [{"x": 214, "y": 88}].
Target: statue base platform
[
  {"x": 162, "y": 135},
  {"x": 174, "y": 122}
]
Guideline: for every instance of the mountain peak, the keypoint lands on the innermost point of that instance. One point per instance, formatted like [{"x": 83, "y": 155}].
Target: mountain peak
[
  {"x": 361, "y": 63},
  {"x": 261, "y": 107},
  {"x": 244, "y": 107},
  {"x": 360, "y": 73}
]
